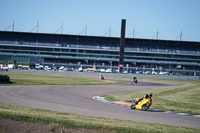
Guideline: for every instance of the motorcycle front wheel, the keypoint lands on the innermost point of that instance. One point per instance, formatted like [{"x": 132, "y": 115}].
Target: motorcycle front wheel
[{"x": 132, "y": 106}]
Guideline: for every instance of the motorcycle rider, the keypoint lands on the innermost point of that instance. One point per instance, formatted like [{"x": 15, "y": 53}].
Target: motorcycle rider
[
  {"x": 101, "y": 76},
  {"x": 135, "y": 79},
  {"x": 145, "y": 97}
]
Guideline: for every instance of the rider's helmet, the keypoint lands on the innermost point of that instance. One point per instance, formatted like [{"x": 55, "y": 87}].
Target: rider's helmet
[{"x": 150, "y": 94}]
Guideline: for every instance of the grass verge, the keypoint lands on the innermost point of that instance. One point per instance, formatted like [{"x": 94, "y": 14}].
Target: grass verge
[
  {"x": 21, "y": 78},
  {"x": 70, "y": 120},
  {"x": 182, "y": 98}
]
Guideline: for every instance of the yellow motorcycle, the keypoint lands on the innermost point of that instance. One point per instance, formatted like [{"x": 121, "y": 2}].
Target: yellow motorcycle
[{"x": 144, "y": 104}]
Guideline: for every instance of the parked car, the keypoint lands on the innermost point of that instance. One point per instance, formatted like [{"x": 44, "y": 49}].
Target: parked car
[
  {"x": 154, "y": 72},
  {"x": 147, "y": 72},
  {"x": 90, "y": 70},
  {"x": 125, "y": 72},
  {"x": 108, "y": 70},
  {"x": 102, "y": 70},
  {"x": 139, "y": 72},
  {"x": 5, "y": 68},
  {"x": 163, "y": 73},
  {"x": 47, "y": 68},
  {"x": 62, "y": 68},
  {"x": 80, "y": 69}
]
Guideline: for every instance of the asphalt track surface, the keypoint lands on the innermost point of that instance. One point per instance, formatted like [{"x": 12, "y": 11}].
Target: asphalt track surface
[{"x": 79, "y": 99}]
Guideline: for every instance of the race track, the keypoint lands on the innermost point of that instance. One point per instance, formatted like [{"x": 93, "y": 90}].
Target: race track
[{"x": 78, "y": 99}]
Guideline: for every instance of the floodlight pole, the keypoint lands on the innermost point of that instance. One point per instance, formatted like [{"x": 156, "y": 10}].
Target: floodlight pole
[
  {"x": 157, "y": 34},
  {"x": 13, "y": 26},
  {"x": 37, "y": 26},
  {"x": 86, "y": 30},
  {"x": 110, "y": 32},
  {"x": 181, "y": 36},
  {"x": 62, "y": 28}
]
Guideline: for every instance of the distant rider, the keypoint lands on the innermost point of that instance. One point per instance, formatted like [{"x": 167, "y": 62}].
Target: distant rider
[
  {"x": 101, "y": 76},
  {"x": 145, "y": 97},
  {"x": 135, "y": 80}
]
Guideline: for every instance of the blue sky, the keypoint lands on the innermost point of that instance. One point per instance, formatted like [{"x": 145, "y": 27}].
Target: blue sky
[{"x": 169, "y": 17}]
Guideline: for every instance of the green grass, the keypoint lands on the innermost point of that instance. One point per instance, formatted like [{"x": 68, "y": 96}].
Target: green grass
[
  {"x": 70, "y": 120},
  {"x": 183, "y": 98},
  {"x": 177, "y": 98},
  {"x": 53, "y": 79}
]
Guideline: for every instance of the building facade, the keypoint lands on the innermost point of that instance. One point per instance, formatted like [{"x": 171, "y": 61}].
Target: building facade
[{"x": 61, "y": 49}]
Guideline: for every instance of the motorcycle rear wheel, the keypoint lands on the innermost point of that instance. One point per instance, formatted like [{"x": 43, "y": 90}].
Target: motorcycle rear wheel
[{"x": 145, "y": 107}]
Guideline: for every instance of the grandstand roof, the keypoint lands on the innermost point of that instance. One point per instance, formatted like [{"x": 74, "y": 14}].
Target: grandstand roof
[{"x": 61, "y": 38}]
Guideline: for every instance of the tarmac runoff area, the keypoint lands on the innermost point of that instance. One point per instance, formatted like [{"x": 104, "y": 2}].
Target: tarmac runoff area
[{"x": 79, "y": 99}]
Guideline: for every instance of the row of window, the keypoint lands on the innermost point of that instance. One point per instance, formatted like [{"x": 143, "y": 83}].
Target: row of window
[
  {"x": 12, "y": 58},
  {"x": 167, "y": 61},
  {"x": 144, "y": 48},
  {"x": 91, "y": 53}
]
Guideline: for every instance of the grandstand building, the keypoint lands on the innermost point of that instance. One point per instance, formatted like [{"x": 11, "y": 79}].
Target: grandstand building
[{"x": 62, "y": 49}]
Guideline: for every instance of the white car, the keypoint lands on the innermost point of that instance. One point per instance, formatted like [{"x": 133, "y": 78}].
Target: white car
[
  {"x": 164, "y": 73},
  {"x": 80, "y": 69},
  {"x": 102, "y": 70},
  {"x": 125, "y": 72},
  {"x": 148, "y": 72},
  {"x": 62, "y": 68},
  {"x": 154, "y": 72},
  {"x": 5, "y": 68},
  {"x": 47, "y": 68}
]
